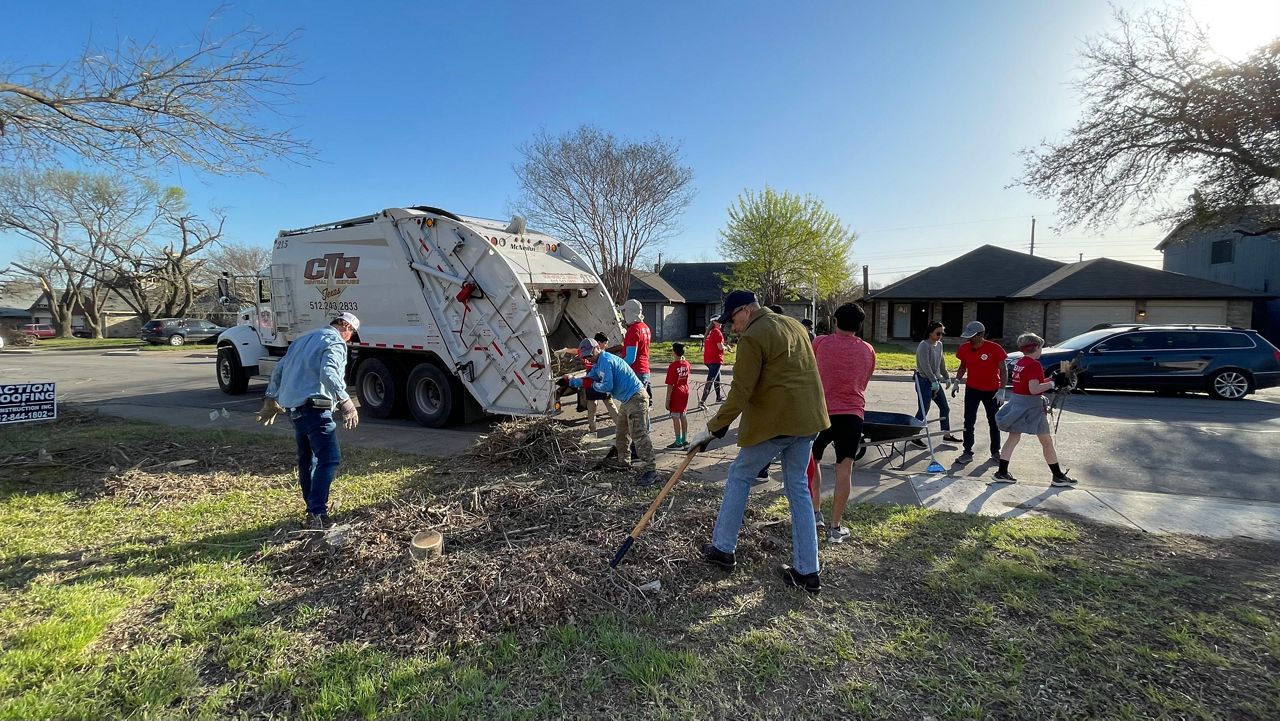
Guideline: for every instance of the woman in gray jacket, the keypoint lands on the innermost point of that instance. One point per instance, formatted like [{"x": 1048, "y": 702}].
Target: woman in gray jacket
[{"x": 932, "y": 377}]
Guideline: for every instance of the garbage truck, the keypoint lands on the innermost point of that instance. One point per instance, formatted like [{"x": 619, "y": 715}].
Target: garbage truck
[{"x": 459, "y": 316}]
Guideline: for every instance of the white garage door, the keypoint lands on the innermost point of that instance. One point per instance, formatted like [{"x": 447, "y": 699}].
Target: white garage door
[
  {"x": 1208, "y": 312},
  {"x": 1079, "y": 316}
]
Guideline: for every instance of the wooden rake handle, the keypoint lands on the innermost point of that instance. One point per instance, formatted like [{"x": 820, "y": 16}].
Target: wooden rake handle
[{"x": 653, "y": 508}]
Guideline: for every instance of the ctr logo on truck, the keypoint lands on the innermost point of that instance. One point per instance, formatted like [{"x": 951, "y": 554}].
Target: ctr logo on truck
[{"x": 335, "y": 266}]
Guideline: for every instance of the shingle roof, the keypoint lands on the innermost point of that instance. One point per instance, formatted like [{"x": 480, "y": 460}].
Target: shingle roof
[
  {"x": 1249, "y": 218},
  {"x": 698, "y": 282},
  {"x": 650, "y": 287},
  {"x": 1107, "y": 278},
  {"x": 984, "y": 273}
]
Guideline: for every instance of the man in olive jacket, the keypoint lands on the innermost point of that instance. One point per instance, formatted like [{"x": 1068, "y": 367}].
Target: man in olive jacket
[{"x": 778, "y": 392}]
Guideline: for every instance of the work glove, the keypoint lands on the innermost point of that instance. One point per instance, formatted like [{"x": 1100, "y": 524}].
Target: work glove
[
  {"x": 350, "y": 418},
  {"x": 1060, "y": 380},
  {"x": 955, "y": 387},
  {"x": 934, "y": 387},
  {"x": 703, "y": 439},
  {"x": 563, "y": 381},
  {"x": 270, "y": 409},
  {"x": 1000, "y": 397}
]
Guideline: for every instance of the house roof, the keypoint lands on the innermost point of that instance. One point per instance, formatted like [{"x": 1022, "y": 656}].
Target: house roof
[
  {"x": 698, "y": 282},
  {"x": 649, "y": 287},
  {"x": 984, "y": 273},
  {"x": 1108, "y": 278},
  {"x": 1249, "y": 218}
]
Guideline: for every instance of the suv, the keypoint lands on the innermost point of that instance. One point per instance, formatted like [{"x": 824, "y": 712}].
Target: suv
[
  {"x": 1228, "y": 363},
  {"x": 177, "y": 331},
  {"x": 39, "y": 330}
]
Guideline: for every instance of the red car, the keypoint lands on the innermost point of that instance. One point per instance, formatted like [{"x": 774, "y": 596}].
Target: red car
[{"x": 39, "y": 330}]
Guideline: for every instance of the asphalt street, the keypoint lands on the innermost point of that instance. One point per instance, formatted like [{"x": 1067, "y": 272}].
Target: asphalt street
[{"x": 1190, "y": 444}]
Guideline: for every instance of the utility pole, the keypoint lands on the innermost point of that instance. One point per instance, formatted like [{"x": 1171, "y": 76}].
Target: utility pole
[
  {"x": 866, "y": 280},
  {"x": 1080, "y": 258},
  {"x": 1033, "y": 235}
]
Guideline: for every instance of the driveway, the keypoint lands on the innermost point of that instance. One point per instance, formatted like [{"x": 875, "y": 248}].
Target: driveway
[{"x": 1190, "y": 445}]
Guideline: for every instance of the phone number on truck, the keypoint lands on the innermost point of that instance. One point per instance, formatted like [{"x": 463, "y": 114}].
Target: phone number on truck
[{"x": 339, "y": 305}]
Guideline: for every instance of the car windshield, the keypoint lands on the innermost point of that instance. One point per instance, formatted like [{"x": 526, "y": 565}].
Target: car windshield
[{"x": 1086, "y": 339}]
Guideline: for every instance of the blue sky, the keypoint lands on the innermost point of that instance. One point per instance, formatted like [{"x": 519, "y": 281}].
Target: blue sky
[{"x": 904, "y": 118}]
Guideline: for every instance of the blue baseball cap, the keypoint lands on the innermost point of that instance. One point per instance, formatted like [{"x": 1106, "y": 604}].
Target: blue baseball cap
[{"x": 734, "y": 301}]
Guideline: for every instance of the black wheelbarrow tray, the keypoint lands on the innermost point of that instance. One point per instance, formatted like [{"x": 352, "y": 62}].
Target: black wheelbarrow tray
[{"x": 890, "y": 432}]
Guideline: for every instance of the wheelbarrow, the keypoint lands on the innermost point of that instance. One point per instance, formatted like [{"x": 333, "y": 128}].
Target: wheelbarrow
[{"x": 889, "y": 434}]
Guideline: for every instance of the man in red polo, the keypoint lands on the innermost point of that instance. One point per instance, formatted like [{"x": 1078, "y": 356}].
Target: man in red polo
[{"x": 983, "y": 360}]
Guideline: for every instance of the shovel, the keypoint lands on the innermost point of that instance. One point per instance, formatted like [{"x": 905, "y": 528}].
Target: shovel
[{"x": 653, "y": 508}]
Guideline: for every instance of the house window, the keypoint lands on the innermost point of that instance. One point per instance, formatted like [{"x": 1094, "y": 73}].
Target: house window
[
  {"x": 953, "y": 318},
  {"x": 1224, "y": 251},
  {"x": 991, "y": 315},
  {"x": 900, "y": 326}
]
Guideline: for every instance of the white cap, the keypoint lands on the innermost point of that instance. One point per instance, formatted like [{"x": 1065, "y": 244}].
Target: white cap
[{"x": 350, "y": 320}]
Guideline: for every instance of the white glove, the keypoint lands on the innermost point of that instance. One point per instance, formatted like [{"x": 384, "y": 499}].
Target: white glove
[
  {"x": 350, "y": 418},
  {"x": 1001, "y": 397},
  {"x": 700, "y": 442},
  {"x": 270, "y": 409}
]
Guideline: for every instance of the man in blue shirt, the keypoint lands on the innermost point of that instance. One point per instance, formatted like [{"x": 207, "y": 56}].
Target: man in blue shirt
[
  {"x": 611, "y": 374},
  {"x": 309, "y": 382}
]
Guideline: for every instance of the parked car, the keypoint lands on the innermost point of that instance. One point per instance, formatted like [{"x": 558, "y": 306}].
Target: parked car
[
  {"x": 40, "y": 330},
  {"x": 81, "y": 332},
  {"x": 1226, "y": 362},
  {"x": 178, "y": 331}
]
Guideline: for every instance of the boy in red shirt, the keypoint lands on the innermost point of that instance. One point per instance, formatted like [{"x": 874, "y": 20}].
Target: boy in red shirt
[
  {"x": 678, "y": 395},
  {"x": 983, "y": 360}
]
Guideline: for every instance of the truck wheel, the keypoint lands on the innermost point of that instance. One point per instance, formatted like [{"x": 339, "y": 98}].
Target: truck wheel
[
  {"x": 379, "y": 387},
  {"x": 231, "y": 376},
  {"x": 431, "y": 396}
]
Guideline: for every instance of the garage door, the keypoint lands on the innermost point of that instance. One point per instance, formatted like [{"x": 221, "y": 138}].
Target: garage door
[
  {"x": 1079, "y": 316},
  {"x": 1208, "y": 312}
]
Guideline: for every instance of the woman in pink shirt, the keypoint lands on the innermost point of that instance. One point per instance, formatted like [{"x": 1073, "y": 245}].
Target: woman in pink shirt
[{"x": 845, "y": 363}]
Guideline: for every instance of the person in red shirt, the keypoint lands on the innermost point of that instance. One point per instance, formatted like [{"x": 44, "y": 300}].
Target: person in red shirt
[
  {"x": 983, "y": 360},
  {"x": 845, "y": 364},
  {"x": 713, "y": 357},
  {"x": 1025, "y": 412},
  {"x": 635, "y": 345},
  {"x": 678, "y": 395}
]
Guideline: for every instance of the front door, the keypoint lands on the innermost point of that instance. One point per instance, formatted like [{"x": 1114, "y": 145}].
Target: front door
[{"x": 919, "y": 320}]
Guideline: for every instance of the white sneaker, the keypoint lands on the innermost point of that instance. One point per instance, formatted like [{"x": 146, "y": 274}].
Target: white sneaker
[{"x": 837, "y": 534}]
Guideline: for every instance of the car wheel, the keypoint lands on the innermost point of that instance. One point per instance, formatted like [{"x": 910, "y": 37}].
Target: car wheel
[
  {"x": 379, "y": 386},
  {"x": 1230, "y": 384},
  {"x": 231, "y": 376},
  {"x": 177, "y": 339},
  {"x": 432, "y": 398}
]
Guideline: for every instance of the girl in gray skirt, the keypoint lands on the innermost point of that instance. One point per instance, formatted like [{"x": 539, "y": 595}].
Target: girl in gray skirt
[{"x": 1026, "y": 411}]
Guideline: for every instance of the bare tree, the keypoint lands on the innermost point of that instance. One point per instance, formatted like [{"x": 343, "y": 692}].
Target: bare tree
[
  {"x": 1163, "y": 110},
  {"x": 784, "y": 244},
  {"x": 612, "y": 199},
  {"x": 138, "y": 105}
]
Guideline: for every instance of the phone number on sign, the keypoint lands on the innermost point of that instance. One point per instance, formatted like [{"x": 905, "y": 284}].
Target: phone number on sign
[
  {"x": 9, "y": 417},
  {"x": 339, "y": 305}
]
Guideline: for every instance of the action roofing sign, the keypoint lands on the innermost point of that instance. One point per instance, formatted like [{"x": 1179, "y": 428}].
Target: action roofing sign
[{"x": 28, "y": 402}]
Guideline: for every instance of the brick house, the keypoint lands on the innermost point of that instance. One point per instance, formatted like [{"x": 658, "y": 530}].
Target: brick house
[
  {"x": 1012, "y": 292},
  {"x": 680, "y": 299}
]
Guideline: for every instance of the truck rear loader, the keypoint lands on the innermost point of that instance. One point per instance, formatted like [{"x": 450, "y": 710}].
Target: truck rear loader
[{"x": 459, "y": 316}]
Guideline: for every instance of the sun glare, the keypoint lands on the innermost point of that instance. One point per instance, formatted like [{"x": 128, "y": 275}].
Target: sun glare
[{"x": 1238, "y": 27}]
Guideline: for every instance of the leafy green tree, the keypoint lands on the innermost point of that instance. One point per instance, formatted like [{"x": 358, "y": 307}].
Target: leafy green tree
[{"x": 784, "y": 243}]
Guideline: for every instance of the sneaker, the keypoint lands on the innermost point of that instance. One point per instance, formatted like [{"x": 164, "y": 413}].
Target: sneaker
[
  {"x": 686, "y": 445},
  {"x": 951, "y": 438},
  {"x": 919, "y": 443},
  {"x": 837, "y": 534},
  {"x": 648, "y": 478},
  {"x": 1003, "y": 477},
  {"x": 317, "y": 522},
  {"x": 676, "y": 445},
  {"x": 1063, "y": 481},
  {"x": 716, "y": 557},
  {"x": 819, "y": 521},
  {"x": 965, "y": 457},
  {"x": 809, "y": 582}
]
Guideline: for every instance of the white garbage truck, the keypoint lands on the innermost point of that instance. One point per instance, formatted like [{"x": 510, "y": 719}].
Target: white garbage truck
[{"x": 459, "y": 316}]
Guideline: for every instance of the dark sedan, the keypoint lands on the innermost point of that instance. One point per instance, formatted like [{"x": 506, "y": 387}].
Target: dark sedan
[
  {"x": 179, "y": 331},
  {"x": 1228, "y": 363}
]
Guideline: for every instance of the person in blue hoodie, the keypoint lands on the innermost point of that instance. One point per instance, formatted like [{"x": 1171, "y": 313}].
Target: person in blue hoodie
[{"x": 611, "y": 374}]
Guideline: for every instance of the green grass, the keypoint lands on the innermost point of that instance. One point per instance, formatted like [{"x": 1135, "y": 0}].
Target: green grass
[
  {"x": 77, "y": 343},
  {"x": 661, "y": 352},
  {"x": 902, "y": 357},
  {"x": 113, "y": 607}
]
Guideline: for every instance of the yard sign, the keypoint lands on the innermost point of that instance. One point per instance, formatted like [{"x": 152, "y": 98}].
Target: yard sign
[{"x": 28, "y": 402}]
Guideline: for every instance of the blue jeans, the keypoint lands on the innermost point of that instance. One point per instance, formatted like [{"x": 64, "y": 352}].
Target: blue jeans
[
  {"x": 922, "y": 391},
  {"x": 318, "y": 455},
  {"x": 795, "y": 452},
  {"x": 713, "y": 376}
]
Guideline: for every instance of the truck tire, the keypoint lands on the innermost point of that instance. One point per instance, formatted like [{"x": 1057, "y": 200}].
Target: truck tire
[
  {"x": 431, "y": 396},
  {"x": 380, "y": 387},
  {"x": 231, "y": 376}
]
